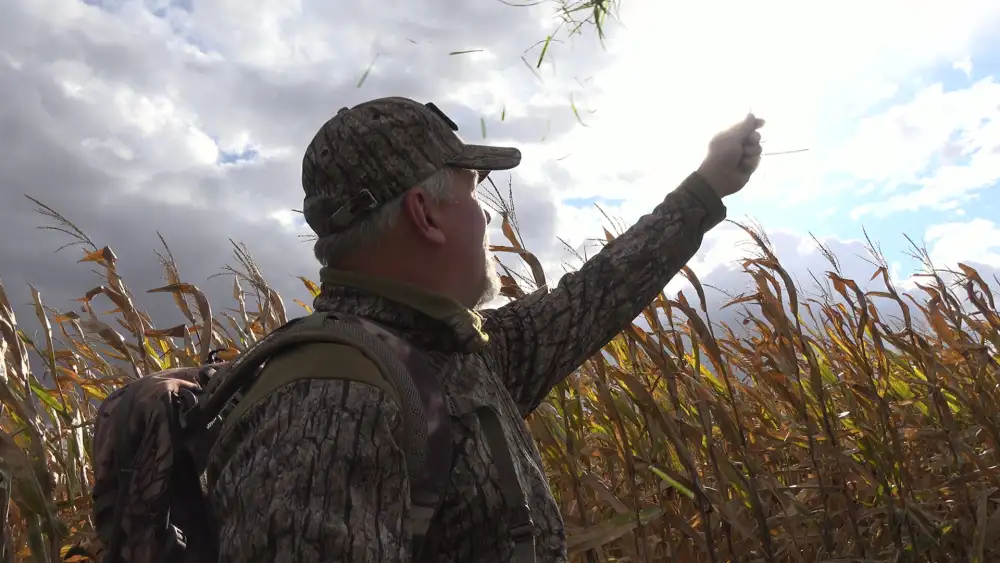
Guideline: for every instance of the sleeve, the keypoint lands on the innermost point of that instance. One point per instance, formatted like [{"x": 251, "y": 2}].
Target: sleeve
[
  {"x": 316, "y": 476},
  {"x": 538, "y": 340}
]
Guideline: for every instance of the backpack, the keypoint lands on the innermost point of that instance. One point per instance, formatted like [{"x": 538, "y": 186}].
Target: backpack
[{"x": 153, "y": 437}]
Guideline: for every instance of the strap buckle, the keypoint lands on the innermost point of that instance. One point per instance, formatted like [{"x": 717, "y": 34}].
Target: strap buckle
[
  {"x": 524, "y": 531},
  {"x": 175, "y": 541},
  {"x": 176, "y": 538},
  {"x": 361, "y": 204},
  {"x": 188, "y": 403}
]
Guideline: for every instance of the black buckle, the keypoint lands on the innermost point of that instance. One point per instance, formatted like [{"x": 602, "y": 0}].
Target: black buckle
[
  {"x": 188, "y": 402},
  {"x": 227, "y": 408},
  {"x": 364, "y": 201},
  {"x": 176, "y": 537},
  {"x": 358, "y": 205},
  {"x": 175, "y": 541},
  {"x": 213, "y": 356}
]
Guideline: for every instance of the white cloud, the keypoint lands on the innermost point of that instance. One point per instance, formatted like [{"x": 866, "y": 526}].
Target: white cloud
[
  {"x": 934, "y": 151},
  {"x": 719, "y": 269},
  {"x": 134, "y": 110},
  {"x": 113, "y": 145},
  {"x": 964, "y": 65},
  {"x": 117, "y": 116},
  {"x": 683, "y": 71},
  {"x": 977, "y": 241}
]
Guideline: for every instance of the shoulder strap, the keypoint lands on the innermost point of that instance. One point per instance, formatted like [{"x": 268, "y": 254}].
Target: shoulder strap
[
  {"x": 346, "y": 348},
  {"x": 519, "y": 521},
  {"x": 313, "y": 360}
]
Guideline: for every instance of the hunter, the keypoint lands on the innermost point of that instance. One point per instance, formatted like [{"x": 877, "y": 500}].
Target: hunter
[{"x": 313, "y": 471}]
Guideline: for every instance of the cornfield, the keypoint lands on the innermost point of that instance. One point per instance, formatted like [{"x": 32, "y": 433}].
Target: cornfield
[{"x": 819, "y": 430}]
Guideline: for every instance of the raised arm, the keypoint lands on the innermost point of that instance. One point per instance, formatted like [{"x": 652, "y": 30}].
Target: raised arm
[
  {"x": 539, "y": 340},
  {"x": 315, "y": 477}
]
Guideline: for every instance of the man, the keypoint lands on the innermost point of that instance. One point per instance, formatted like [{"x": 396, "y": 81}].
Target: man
[{"x": 312, "y": 472}]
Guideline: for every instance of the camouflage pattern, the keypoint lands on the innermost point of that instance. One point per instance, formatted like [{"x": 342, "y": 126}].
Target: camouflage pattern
[
  {"x": 141, "y": 415},
  {"x": 154, "y": 435},
  {"x": 427, "y": 483},
  {"x": 370, "y": 154},
  {"x": 424, "y": 430},
  {"x": 314, "y": 473}
]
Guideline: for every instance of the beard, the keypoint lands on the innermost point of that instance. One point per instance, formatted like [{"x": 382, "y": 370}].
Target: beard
[{"x": 491, "y": 278}]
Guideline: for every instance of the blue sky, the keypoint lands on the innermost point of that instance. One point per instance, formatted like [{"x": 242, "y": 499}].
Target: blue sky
[{"x": 834, "y": 216}]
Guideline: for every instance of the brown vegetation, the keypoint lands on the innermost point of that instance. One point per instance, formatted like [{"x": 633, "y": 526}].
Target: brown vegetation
[{"x": 847, "y": 437}]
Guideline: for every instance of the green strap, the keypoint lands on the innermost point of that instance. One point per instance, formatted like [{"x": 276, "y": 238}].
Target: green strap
[
  {"x": 334, "y": 347},
  {"x": 312, "y": 361},
  {"x": 519, "y": 522}
]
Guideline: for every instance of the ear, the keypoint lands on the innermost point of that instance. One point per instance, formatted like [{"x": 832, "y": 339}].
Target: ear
[{"x": 425, "y": 217}]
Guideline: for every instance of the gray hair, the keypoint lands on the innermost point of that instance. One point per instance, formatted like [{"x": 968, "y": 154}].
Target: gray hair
[{"x": 332, "y": 250}]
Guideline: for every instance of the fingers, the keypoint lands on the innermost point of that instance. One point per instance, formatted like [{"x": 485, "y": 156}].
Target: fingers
[
  {"x": 746, "y": 130},
  {"x": 739, "y": 146},
  {"x": 739, "y": 143},
  {"x": 751, "y": 123},
  {"x": 752, "y": 150},
  {"x": 748, "y": 164},
  {"x": 751, "y": 145}
]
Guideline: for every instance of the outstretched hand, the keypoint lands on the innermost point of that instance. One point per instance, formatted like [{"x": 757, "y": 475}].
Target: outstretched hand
[{"x": 733, "y": 156}]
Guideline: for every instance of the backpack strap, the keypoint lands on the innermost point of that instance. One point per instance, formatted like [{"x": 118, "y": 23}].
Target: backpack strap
[
  {"x": 312, "y": 360},
  {"x": 332, "y": 346},
  {"x": 519, "y": 521}
]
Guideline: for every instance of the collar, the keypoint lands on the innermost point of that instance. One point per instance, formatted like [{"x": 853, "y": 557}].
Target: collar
[{"x": 433, "y": 319}]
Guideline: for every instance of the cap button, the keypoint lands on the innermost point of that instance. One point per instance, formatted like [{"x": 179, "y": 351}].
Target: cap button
[{"x": 342, "y": 111}]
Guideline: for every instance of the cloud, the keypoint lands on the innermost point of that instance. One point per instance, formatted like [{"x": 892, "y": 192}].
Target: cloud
[
  {"x": 189, "y": 119},
  {"x": 718, "y": 262},
  {"x": 975, "y": 241},
  {"x": 935, "y": 151},
  {"x": 683, "y": 71},
  {"x": 719, "y": 268},
  {"x": 720, "y": 272},
  {"x": 964, "y": 65}
]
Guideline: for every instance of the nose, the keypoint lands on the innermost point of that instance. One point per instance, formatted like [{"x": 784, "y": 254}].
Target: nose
[{"x": 486, "y": 213}]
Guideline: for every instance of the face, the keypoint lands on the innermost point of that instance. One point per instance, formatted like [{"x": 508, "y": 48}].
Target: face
[{"x": 467, "y": 221}]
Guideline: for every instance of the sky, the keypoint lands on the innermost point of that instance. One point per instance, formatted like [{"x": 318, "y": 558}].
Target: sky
[{"x": 188, "y": 118}]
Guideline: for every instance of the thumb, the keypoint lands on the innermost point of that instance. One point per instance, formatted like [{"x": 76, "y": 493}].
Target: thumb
[
  {"x": 750, "y": 124},
  {"x": 740, "y": 130}
]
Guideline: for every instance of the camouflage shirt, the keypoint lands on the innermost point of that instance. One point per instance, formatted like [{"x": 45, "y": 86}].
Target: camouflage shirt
[{"x": 311, "y": 473}]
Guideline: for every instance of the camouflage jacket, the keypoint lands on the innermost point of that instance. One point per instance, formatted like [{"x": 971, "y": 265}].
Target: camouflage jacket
[{"x": 311, "y": 473}]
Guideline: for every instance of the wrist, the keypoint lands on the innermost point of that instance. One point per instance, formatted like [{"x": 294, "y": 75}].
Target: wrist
[
  {"x": 715, "y": 183},
  {"x": 715, "y": 209}
]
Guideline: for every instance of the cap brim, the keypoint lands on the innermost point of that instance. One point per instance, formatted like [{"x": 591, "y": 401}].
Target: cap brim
[{"x": 486, "y": 159}]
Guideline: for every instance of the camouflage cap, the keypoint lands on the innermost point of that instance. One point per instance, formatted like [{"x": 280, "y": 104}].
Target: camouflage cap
[{"x": 370, "y": 154}]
